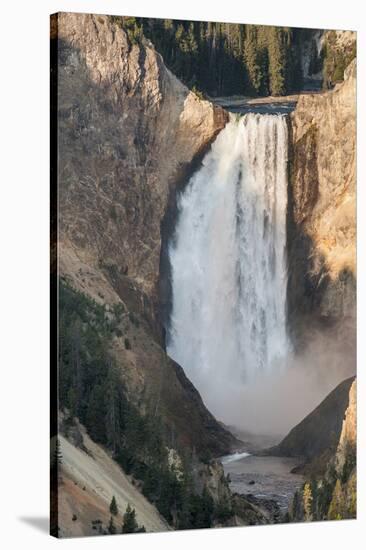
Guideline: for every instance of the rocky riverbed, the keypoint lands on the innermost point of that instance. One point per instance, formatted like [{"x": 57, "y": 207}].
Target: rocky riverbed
[{"x": 264, "y": 479}]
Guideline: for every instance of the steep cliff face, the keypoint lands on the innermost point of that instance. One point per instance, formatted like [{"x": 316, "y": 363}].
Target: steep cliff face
[
  {"x": 322, "y": 211},
  {"x": 127, "y": 131}
]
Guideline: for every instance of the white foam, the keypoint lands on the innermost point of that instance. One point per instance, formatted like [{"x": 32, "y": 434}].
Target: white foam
[{"x": 234, "y": 457}]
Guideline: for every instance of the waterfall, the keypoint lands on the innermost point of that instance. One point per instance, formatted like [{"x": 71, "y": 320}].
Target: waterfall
[{"x": 228, "y": 261}]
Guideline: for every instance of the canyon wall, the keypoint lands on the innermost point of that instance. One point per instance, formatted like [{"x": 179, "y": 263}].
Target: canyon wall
[
  {"x": 321, "y": 233},
  {"x": 322, "y": 206},
  {"x": 128, "y": 131}
]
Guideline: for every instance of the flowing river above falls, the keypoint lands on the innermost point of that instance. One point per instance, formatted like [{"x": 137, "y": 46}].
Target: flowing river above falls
[{"x": 264, "y": 477}]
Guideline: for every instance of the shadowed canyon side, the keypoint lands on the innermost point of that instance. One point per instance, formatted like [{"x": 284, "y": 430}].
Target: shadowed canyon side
[{"x": 229, "y": 267}]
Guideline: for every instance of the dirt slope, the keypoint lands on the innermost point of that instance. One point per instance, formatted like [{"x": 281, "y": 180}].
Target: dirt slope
[{"x": 89, "y": 480}]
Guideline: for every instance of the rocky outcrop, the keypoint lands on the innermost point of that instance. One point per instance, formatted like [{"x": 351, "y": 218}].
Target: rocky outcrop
[
  {"x": 322, "y": 211},
  {"x": 211, "y": 477},
  {"x": 348, "y": 439}
]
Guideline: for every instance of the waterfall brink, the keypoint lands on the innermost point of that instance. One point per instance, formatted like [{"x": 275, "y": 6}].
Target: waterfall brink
[{"x": 228, "y": 260}]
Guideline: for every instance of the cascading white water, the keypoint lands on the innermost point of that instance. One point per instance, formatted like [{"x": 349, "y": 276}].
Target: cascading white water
[{"x": 228, "y": 260}]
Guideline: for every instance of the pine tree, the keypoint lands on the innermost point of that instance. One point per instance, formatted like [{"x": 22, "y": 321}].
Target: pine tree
[
  {"x": 315, "y": 495},
  {"x": 351, "y": 502},
  {"x": 252, "y": 60},
  {"x": 337, "y": 504},
  {"x": 314, "y": 65},
  {"x": 294, "y": 509},
  {"x": 129, "y": 521},
  {"x": 95, "y": 414},
  {"x": 113, "y": 508},
  {"x": 58, "y": 454},
  {"x": 111, "y": 401},
  {"x": 295, "y": 77},
  {"x": 308, "y": 502},
  {"x": 277, "y": 62},
  {"x": 226, "y": 58},
  {"x": 77, "y": 363},
  {"x": 111, "y": 527}
]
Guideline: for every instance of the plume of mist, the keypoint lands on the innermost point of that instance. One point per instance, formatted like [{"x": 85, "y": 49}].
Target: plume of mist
[{"x": 274, "y": 402}]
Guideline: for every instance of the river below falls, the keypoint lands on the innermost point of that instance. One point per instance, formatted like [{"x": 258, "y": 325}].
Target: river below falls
[{"x": 264, "y": 477}]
